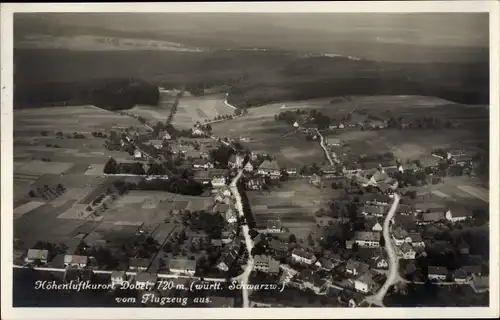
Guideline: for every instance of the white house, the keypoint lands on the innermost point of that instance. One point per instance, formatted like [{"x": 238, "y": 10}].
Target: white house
[
  {"x": 265, "y": 263},
  {"x": 301, "y": 256},
  {"x": 197, "y": 132},
  {"x": 182, "y": 266},
  {"x": 364, "y": 283},
  {"x": 75, "y": 261},
  {"x": 218, "y": 180},
  {"x": 117, "y": 278},
  {"x": 334, "y": 142},
  {"x": 137, "y": 154},
  {"x": 138, "y": 264},
  {"x": 227, "y": 261},
  {"x": 157, "y": 144},
  {"x": 37, "y": 255},
  {"x": 367, "y": 239},
  {"x": 296, "y": 124}
]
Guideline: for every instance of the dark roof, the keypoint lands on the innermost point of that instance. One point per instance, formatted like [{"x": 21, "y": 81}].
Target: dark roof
[
  {"x": 134, "y": 262},
  {"x": 269, "y": 165},
  {"x": 433, "y": 216},
  {"x": 146, "y": 276},
  {"x": 367, "y": 236},
  {"x": 437, "y": 270},
  {"x": 359, "y": 266},
  {"x": 302, "y": 253},
  {"x": 182, "y": 264}
]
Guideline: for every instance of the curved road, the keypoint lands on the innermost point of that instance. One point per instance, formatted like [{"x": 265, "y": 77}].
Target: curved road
[
  {"x": 327, "y": 153},
  {"x": 393, "y": 276},
  {"x": 243, "y": 278}
]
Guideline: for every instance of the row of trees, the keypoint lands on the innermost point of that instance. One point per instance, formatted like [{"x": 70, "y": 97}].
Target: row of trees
[{"x": 47, "y": 192}]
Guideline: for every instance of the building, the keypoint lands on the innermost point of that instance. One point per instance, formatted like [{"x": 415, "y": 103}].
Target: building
[
  {"x": 37, "y": 255},
  {"x": 437, "y": 273},
  {"x": 267, "y": 264},
  {"x": 374, "y": 225},
  {"x": 458, "y": 213},
  {"x": 277, "y": 248},
  {"x": 374, "y": 211},
  {"x": 365, "y": 283},
  {"x": 472, "y": 270},
  {"x": 326, "y": 264},
  {"x": 136, "y": 264},
  {"x": 355, "y": 267},
  {"x": 202, "y": 176},
  {"x": 460, "y": 276},
  {"x": 328, "y": 170},
  {"x": 146, "y": 279},
  {"x": 157, "y": 144},
  {"x": 197, "y": 132},
  {"x": 203, "y": 164},
  {"x": 406, "y": 251},
  {"x": 432, "y": 217},
  {"x": 75, "y": 261},
  {"x": 236, "y": 161},
  {"x": 255, "y": 183},
  {"x": 334, "y": 142},
  {"x": 182, "y": 266},
  {"x": 137, "y": 154},
  {"x": 351, "y": 168},
  {"x": 227, "y": 261},
  {"x": 218, "y": 180},
  {"x": 274, "y": 226},
  {"x": 269, "y": 168},
  {"x": 301, "y": 256},
  {"x": 117, "y": 278},
  {"x": 316, "y": 180},
  {"x": 380, "y": 262},
  {"x": 367, "y": 238},
  {"x": 248, "y": 167},
  {"x": 407, "y": 168}
]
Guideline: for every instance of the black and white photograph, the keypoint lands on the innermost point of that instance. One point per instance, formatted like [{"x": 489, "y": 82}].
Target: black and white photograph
[{"x": 272, "y": 158}]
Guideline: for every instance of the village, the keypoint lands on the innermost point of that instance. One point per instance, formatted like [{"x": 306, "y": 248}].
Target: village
[{"x": 177, "y": 183}]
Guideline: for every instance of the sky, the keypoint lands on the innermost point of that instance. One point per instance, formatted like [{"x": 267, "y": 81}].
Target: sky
[{"x": 328, "y": 32}]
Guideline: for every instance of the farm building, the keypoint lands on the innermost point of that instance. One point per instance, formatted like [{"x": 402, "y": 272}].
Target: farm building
[
  {"x": 182, "y": 266},
  {"x": 270, "y": 168},
  {"x": 136, "y": 264},
  {"x": 367, "y": 239},
  {"x": 34, "y": 255},
  {"x": 202, "y": 163},
  {"x": 356, "y": 267},
  {"x": 301, "y": 256},
  {"x": 218, "y": 180},
  {"x": 266, "y": 264},
  {"x": 236, "y": 161},
  {"x": 118, "y": 278},
  {"x": 248, "y": 167},
  {"x": 75, "y": 261},
  {"x": 437, "y": 273},
  {"x": 458, "y": 213}
]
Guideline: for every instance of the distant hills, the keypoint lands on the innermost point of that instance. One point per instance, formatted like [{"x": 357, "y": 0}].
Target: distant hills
[{"x": 255, "y": 77}]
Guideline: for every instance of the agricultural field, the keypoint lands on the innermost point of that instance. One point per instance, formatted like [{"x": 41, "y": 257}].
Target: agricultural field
[
  {"x": 295, "y": 203},
  {"x": 192, "y": 109},
  {"x": 262, "y": 134},
  {"x": 152, "y": 114}
]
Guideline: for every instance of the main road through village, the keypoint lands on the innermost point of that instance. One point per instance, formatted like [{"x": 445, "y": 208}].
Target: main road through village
[
  {"x": 243, "y": 278},
  {"x": 393, "y": 276}
]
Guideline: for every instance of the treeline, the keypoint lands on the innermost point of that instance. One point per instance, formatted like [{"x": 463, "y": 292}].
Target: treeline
[{"x": 111, "y": 94}]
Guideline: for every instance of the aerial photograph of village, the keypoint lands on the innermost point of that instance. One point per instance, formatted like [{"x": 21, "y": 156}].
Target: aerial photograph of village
[{"x": 251, "y": 160}]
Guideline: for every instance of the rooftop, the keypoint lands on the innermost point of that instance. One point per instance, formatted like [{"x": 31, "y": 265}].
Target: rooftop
[
  {"x": 367, "y": 236},
  {"x": 182, "y": 264}
]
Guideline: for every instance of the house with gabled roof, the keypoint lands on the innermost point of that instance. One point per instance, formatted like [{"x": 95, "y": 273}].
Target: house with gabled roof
[
  {"x": 374, "y": 225},
  {"x": 431, "y": 217},
  {"x": 367, "y": 238},
  {"x": 356, "y": 267},
  {"x": 35, "y": 255},
  {"x": 457, "y": 213},
  {"x": 137, "y": 264},
  {"x": 182, "y": 266},
  {"x": 302, "y": 256},
  {"x": 118, "y": 278},
  {"x": 437, "y": 273},
  {"x": 75, "y": 261},
  {"x": 202, "y": 164},
  {"x": 236, "y": 161},
  {"x": 248, "y": 167},
  {"x": 269, "y": 168},
  {"x": 374, "y": 211},
  {"x": 406, "y": 251}
]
